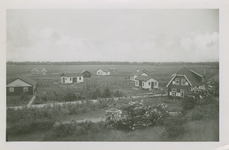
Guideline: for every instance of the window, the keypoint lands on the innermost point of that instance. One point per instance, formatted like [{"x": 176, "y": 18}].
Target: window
[
  {"x": 183, "y": 81},
  {"x": 70, "y": 79},
  {"x": 177, "y": 81},
  {"x": 182, "y": 92},
  {"x": 79, "y": 78},
  {"x": 25, "y": 89},
  {"x": 136, "y": 83},
  {"x": 11, "y": 89},
  {"x": 149, "y": 83},
  {"x": 174, "y": 92}
]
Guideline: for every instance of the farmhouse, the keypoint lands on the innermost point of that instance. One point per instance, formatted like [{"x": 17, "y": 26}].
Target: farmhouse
[
  {"x": 146, "y": 82},
  {"x": 136, "y": 74},
  {"x": 69, "y": 78},
  {"x": 103, "y": 72},
  {"x": 34, "y": 71},
  {"x": 21, "y": 84},
  {"x": 183, "y": 81},
  {"x": 86, "y": 74}
]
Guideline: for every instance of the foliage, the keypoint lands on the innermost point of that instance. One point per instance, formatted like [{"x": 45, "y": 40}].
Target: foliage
[{"x": 135, "y": 115}]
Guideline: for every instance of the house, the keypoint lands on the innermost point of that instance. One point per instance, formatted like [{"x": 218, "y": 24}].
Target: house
[
  {"x": 183, "y": 81},
  {"x": 69, "y": 78},
  {"x": 103, "y": 72},
  {"x": 146, "y": 82},
  {"x": 34, "y": 71},
  {"x": 136, "y": 74},
  {"x": 44, "y": 71},
  {"x": 86, "y": 74},
  {"x": 147, "y": 71},
  {"x": 21, "y": 84},
  {"x": 112, "y": 69}
]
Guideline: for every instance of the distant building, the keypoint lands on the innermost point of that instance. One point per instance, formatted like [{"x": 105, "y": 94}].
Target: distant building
[
  {"x": 103, "y": 72},
  {"x": 183, "y": 81},
  {"x": 34, "y": 71},
  {"x": 44, "y": 71},
  {"x": 146, "y": 82},
  {"x": 69, "y": 78},
  {"x": 86, "y": 74},
  {"x": 112, "y": 69},
  {"x": 21, "y": 84}
]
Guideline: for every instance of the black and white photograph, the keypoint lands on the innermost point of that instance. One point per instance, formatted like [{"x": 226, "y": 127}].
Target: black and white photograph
[{"x": 113, "y": 75}]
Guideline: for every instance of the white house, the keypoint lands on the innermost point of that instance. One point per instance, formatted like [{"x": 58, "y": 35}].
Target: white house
[
  {"x": 136, "y": 74},
  {"x": 103, "y": 72},
  {"x": 146, "y": 82},
  {"x": 68, "y": 78}
]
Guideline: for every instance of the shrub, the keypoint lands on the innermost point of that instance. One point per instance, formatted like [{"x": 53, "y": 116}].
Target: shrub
[
  {"x": 135, "y": 115},
  {"x": 188, "y": 103}
]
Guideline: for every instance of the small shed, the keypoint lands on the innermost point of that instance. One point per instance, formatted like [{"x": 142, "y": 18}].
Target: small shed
[
  {"x": 86, "y": 74},
  {"x": 21, "y": 84}
]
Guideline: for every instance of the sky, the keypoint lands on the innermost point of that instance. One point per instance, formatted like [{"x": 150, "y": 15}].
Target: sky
[{"x": 135, "y": 35}]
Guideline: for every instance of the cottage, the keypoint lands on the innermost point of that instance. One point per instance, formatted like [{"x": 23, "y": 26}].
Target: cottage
[
  {"x": 69, "y": 78},
  {"x": 112, "y": 69},
  {"x": 21, "y": 84},
  {"x": 44, "y": 71},
  {"x": 34, "y": 71},
  {"x": 146, "y": 82},
  {"x": 136, "y": 74},
  {"x": 183, "y": 81},
  {"x": 86, "y": 74},
  {"x": 103, "y": 72}
]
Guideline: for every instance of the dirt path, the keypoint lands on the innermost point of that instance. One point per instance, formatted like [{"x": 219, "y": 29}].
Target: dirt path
[{"x": 31, "y": 101}]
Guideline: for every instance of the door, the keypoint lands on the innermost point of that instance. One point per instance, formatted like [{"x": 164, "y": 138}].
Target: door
[
  {"x": 140, "y": 83},
  {"x": 152, "y": 85},
  {"x": 74, "y": 79}
]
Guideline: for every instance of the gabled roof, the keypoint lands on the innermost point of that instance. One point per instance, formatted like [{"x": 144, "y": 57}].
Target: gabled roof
[
  {"x": 44, "y": 69},
  {"x": 191, "y": 76},
  {"x": 34, "y": 69},
  {"x": 71, "y": 74},
  {"x": 28, "y": 80},
  {"x": 137, "y": 73},
  {"x": 144, "y": 78},
  {"x": 85, "y": 71},
  {"x": 25, "y": 79},
  {"x": 104, "y": 70},
  {"x": 214, "y": 78}
]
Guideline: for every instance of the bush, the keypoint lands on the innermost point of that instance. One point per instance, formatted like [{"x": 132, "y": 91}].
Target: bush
[
  {"x": 135, "y": 115},
  {"x": 188, "y": 103}
]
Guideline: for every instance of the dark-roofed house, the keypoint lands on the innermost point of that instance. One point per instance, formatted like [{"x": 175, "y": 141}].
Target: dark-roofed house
[
  {"x": 146, "y": 82},
  {"x": 136, "y": 74},
  {"x": 86, "y": 74},
  {"x": 69, "y": 78},
  {"x": 103, "y": 72},
  {"x": 183, "y": 81},
  {"x": 21, "y": 84}
]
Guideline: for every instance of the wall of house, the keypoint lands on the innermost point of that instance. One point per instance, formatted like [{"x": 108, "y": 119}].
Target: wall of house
[
  {"x": 100, "y": 72},
  {"x": 147, "y": 84},
  {"x": 80, "y": 79},
  {"x": 173, "y": 85},
  {"x": 66, "y": 80},
  {"x": 18, "y": 91}
]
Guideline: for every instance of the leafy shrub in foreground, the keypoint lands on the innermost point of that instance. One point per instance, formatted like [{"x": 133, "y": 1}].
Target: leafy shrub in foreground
[{"x": 135, "y": 115}]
